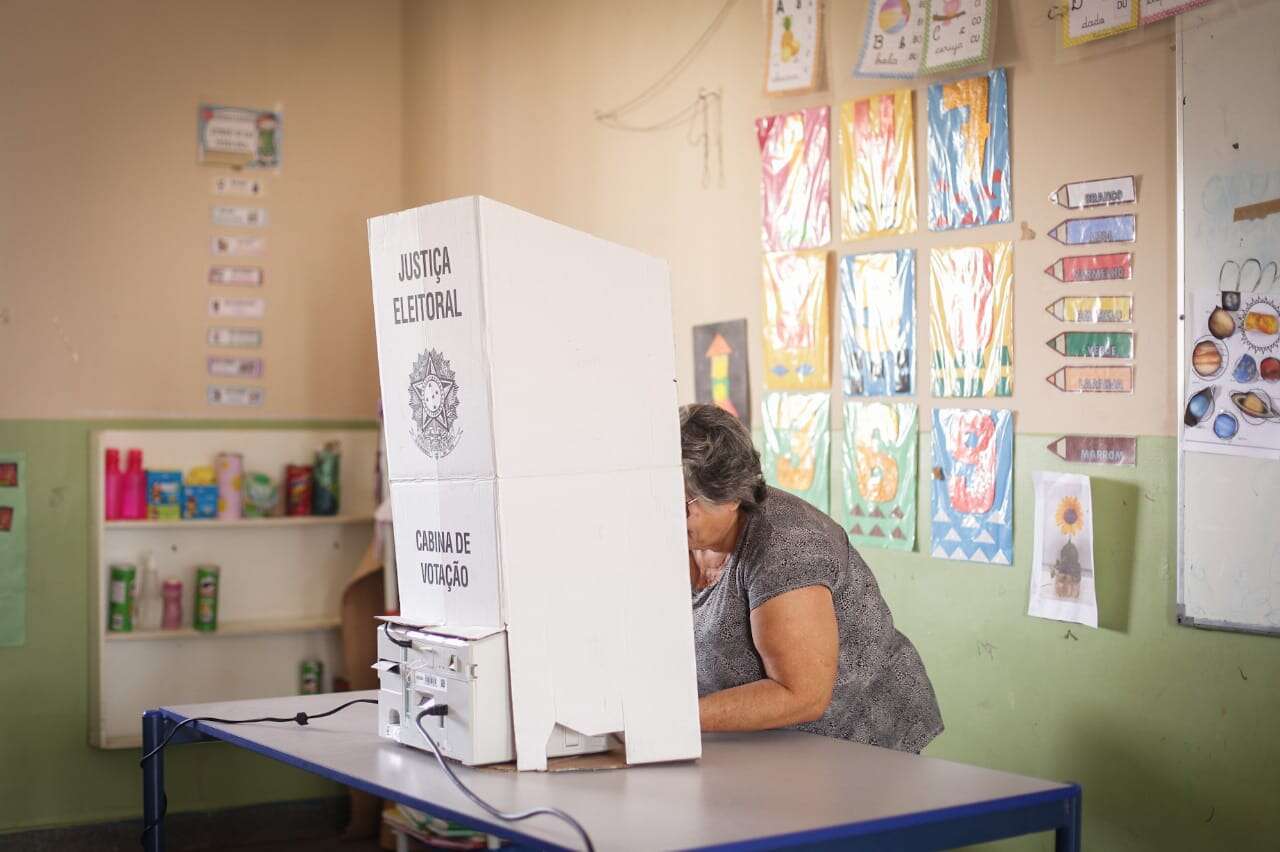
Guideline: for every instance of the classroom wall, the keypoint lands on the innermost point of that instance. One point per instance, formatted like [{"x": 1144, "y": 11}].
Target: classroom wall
[
  {"x": 104, "y": 245},
  {"x": 1168, "y": 729}
]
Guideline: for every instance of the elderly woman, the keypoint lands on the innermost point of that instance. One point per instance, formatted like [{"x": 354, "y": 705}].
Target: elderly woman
[{"x": 790, "y": 628}]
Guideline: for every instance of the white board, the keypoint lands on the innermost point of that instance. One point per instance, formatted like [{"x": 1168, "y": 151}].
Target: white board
[{"x": 1228, "y": 124}]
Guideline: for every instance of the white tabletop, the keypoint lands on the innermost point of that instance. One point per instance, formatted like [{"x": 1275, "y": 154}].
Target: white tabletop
[{"x": 745, "y": 787}]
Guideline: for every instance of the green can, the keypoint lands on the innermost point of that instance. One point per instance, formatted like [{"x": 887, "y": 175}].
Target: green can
[
  {"x": 311, "y": 677},
  {"x": 124, "y": 580},
  {"x": 205, "y": 615}
]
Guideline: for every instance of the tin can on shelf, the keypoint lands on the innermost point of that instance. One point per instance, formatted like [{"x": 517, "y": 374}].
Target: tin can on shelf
[
  {"x": 326, "y": 493},
  {"x": 297, "y": 489},
  {"x": 230, "y": 470},
  {"x": 120, "y": 599},
  {"x": 205, "y": 615},
  {"x": 311, "y": 677}
]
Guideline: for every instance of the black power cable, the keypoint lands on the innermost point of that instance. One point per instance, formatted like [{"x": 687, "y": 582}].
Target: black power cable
[
  {"x": 298, "y": 718},
  {"x": 442, "y": 710},
  {"x": 386, "y": 628}
]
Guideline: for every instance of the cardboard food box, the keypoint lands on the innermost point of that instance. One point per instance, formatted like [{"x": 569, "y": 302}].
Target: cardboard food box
[
  {"x": 164, "y": 495},
  {"x": 532, "y": 434}
]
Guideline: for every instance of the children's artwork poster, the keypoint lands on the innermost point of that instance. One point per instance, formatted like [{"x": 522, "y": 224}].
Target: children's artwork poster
[
  {"x": 797, "y": 445},
  {"x": 795, "y": 181},
  {"x": 1158, "y": 10},
  {"x": 972, "y": 485},
  {"x": 1233, "y": 374},
  {"x": 893, "y": 43},
  {"x": 720, "y": 372},
  {"x": 796, "y": 51},
  {"x": 958, "y": 33},
  {"x": 1088, "y": 20},
  {"x": 969, "y": 164},
  {"x": 971, "y": 320},
  {"x": 797, "y": 322},
  {"x": 877, "y": 323},
  {"x": 1062, "y": 570},
  {"x": 877, "y": 149},
  {"x": 239, "y": 137},
  {"x": 13, "y": 549},
  {"x": 878, "y": 468}
]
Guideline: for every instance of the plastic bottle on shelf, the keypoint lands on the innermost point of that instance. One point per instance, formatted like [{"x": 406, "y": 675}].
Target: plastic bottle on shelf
[
  {"x": 112, "y": 481},
  {"x": 150, "y": 601},
  {"x": 133, "y": 488},
  {"x": 172, "y": 619}
]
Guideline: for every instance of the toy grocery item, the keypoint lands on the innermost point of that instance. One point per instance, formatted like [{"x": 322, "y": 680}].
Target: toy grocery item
[
  {"x": 164, "y": 495},
  {"x": 230, "y": 470},
  {"x": 326, "y": 492},
  {"x": 260, "y": 495}
]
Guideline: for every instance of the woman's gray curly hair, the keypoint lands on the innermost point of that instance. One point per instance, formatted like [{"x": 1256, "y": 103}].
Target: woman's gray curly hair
[{"x": 720, "y": 463}]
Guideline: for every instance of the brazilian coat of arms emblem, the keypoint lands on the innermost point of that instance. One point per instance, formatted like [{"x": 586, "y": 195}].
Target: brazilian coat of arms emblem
[{"x": 433, "y": 399}]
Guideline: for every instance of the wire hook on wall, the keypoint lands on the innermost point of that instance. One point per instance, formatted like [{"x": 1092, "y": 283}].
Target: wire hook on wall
[{"x": 1056, "y": 12}]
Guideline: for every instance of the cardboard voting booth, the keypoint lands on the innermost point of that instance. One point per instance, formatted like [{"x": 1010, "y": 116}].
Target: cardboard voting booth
[{"x": 528, "y": 391}]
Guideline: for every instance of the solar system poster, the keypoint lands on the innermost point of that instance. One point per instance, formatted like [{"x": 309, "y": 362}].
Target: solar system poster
[
  {"x": 1062, "y": 569},
  {"x": 972, "y": 486},
  {"x": 797, "y": 445},
  {"x": 795, "y": 179},
  {"x": 1233, "y": 374},
  {"x": 720, "y": 374},
  {"x": 969, "y": 162},
  {"x": 878, "y": 474}
]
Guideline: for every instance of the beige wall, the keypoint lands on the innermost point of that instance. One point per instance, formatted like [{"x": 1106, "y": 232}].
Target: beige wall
[
  {"x": 104, "y": 214},
  {"x": 499, "y": 99}
]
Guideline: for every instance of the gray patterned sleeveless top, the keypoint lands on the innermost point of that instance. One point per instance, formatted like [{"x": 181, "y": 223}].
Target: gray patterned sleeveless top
[{"x": 882, "y": 694}]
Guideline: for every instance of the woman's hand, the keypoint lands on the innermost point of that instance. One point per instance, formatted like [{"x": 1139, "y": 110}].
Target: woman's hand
[{"x": 798, "y": 641}]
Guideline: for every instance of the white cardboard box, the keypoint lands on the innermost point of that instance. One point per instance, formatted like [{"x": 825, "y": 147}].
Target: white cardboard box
[{"x": 528, "y": 391}]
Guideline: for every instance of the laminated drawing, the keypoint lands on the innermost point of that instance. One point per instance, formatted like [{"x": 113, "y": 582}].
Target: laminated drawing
[
  {"x": 877, "y": 323},
  {"x": 971, "y": 320},
  {"x": 797, "y": 445},
  {"x": 797, "y": 323},
  {"x": 972, "y": 485},
  {"x": 969, "y": 168},
  {"x": 877, "y": 150},
  {"x": 878, "y": 467},
  {"x": 795, "y": 179}
]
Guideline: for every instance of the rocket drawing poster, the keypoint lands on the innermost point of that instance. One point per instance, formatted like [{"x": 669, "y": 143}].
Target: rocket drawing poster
[
  {"x": 972, "y": 485},
  {"x": 877, "y": 323},
  {"x": 877, "y": 150},
  {"x": 797, "y": 445},
  {"x": 969, "y": 162},
  {"x": 878, "y": 472},
  {"x": 720, "y": 372},
  {"x": 971, "y": 320},
  {"x": 797, "y": 322},
  {"x": 795, "y": 179}
]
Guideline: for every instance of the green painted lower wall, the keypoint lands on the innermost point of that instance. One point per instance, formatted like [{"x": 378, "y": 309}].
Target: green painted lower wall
[
  {"x": 49, "y": 775},
  {"x": 1174, "y": 733}
]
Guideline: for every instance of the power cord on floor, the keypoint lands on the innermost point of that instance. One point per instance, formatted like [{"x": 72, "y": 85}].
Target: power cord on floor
[
  {"x": 298, "y": 718},
  {"x": 443, "y": 710}
]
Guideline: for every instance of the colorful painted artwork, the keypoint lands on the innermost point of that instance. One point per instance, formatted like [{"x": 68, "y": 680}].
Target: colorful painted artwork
[
  {"x": 969, "y": 166},
  {"x": 971, "y": 320},
  {"x": 795, "y": 54},
  {"x": 894, "y": 38},
  {"x": 797, "y": 445},
  {"x": 972, "y": 485},
  {"x": 720, "y": 372},
  {"x": 797, "y": 323},
  {"x": 877, "y": 323},
  {"x": 878, "y": 469},
  {"x": 795, "y": 181},
  {"x": 877, "y": 148},
  {"x": 1062, "y": 570}
]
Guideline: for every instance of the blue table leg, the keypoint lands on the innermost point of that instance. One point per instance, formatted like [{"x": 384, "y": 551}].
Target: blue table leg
[
  {"x": 153, "y": 728},
  {"x": 1067, "y": 837}
]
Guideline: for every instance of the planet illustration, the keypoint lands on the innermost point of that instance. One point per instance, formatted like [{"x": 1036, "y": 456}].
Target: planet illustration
[
  {"x": 894, "y": 15},
  {"x": 1221, "y": 323},
  {"x": 1256, "y": 405},
  {"x": 1270, "y": 369},
  {"x": 1207, "y": 358},
  {"x": 1225, "y": 426},
  {"x": 1246, "y": 370},
  {"x": 1199, "y": 407}
]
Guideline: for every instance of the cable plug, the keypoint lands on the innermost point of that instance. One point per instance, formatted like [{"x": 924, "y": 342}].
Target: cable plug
[
  {"x": 437, "y": 710},
  {"x": 301, "y": 718}
]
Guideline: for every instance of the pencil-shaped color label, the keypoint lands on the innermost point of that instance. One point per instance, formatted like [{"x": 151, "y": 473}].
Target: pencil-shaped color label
[
  {"x": 1096, "y": 193},
  {"x": 1096, "y": 449},
  {"x": 1096, "y": 229},
  {"x": 1093, "y": 344},
  {"x": 1092, "y": 309},
  {"x": 1092, "y": 267},
  {"x": 1093, "y": 379}
]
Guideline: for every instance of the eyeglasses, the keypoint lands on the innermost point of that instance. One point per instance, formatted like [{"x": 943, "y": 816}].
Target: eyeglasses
[{"x": 691, "y": 501}]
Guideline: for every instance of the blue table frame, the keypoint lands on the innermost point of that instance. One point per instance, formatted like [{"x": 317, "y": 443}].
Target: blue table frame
[{"x": 1057, "y": 809}]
